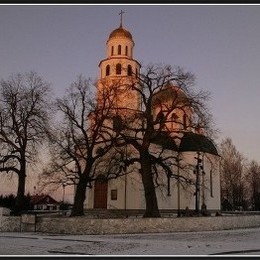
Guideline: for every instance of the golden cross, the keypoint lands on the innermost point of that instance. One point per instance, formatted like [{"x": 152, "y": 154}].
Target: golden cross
[{"x": 121, "y": 13}]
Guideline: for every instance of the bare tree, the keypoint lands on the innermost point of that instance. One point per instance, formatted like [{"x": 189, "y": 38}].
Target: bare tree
[
  {"x": 253, "y": 183},
  {"x": 232, "y": 174},
  {"x": 165, "y": 95},
  {"x": 24, "y": 118},
  {"x": 81, "y": 140}
]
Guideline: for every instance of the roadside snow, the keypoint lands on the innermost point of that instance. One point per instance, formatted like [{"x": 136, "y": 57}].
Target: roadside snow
[{"x": 226, "y": 242}]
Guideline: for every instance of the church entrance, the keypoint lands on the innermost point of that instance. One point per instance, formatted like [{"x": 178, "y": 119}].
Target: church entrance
[{"x": 100, "y": 193}]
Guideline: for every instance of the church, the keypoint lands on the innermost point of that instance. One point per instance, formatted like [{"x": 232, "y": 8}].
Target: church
[{"x": 194, "y": 150}]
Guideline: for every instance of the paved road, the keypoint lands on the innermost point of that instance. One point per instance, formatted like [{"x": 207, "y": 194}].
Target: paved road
[{"x": 228, "y": 242}]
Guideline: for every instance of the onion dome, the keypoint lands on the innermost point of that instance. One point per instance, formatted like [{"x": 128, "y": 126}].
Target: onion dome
[
  {"x": 169, "y": 93},
  {"x": 120, "y": 32}
]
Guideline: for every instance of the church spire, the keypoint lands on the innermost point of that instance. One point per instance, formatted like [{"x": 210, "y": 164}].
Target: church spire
[{"x": 121, "y": 18}]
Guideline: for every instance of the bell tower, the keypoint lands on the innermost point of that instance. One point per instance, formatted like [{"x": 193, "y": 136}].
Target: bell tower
[{"x": 119, "y": 70}]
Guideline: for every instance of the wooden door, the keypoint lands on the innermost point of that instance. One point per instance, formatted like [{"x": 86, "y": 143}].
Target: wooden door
[{"x": 100, "y": 194}]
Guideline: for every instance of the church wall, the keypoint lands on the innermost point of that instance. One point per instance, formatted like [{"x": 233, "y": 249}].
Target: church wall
[
  {"x": 210, "y": 191},
  {"x": 125, "y": 97},
  {"x": 124, "y": 63},
  {"x": 178, "y": 119},
  {"x": 123, "y": 41},
  {"x": 133, "y": 196},
  {"x": 130, "y": 192}
]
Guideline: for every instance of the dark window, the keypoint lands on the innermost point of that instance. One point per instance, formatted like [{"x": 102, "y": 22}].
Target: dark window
[
  {"x": 112, "y": 51},
  {"x": 107, "y": 70},
  {"x": 113, "y": 194},
  {"x": 136, "y": 72},
  {"x": 174, "y": 117},
  {"x": 126, "y": 50},
  {"x": 129, "y": 70},
  {"x": 184, "y": 121},
  {"x": 118, "y": 68},
  {"x": 119, "y": 50},
  {"x": 117, "y": 123}
]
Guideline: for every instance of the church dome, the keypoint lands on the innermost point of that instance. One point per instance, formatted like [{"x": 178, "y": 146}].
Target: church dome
[
  {"x": 168, "y": 93},
  {"x": 120, "y": 32},
  {"x": 192, "y": 142}
]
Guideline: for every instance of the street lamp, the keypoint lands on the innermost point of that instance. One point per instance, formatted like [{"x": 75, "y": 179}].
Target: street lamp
[
  {"x": 63, "y": 191},
  {"x": 178, "y": 186},
  {"x": 197, "y": 183}
]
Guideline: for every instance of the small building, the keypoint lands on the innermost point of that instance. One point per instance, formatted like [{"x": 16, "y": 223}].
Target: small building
[{"x": 44, "y": 202}]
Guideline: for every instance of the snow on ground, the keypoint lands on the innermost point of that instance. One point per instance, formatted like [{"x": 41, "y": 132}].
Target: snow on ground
[{"x": 226, "y": 242}]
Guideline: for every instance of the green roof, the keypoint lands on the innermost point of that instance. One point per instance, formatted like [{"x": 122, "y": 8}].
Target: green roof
[
  {"x": 190, "y": 142},
  {"x": 197, "y": 143}
]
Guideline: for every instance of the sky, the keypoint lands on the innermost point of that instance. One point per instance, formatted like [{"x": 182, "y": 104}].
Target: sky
[{"x": 220, "y": 44}]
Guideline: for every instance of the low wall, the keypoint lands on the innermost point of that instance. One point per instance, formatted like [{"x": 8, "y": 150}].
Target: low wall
[
  {"x": 10, "y": 224},
  {"x": 83, "y": 225}
]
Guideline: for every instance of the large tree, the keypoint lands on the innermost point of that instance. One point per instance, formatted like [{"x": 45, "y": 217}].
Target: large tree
[
  {"x": 142, "y": 127},
  {"x": 81, "y": 139},
  {"x": 24, "y": 119},
  {"x": 232, "y": 175},
  {"x": 253, "y": 184}
]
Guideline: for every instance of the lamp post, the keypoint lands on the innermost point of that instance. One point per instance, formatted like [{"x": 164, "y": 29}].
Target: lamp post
[
  {"x": 203, "y": 180},
  {"x": 178, "y": 187},
  {"x": 197, "y": 184},
  {"x": 126, "y": 156},
  {"x": 63, "y": 191}
]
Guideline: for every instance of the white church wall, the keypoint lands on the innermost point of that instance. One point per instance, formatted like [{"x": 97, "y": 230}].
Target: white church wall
[
  {"x": 210, "y": 182},
  {"x": 130, "y": 193},
  {"x": 115, "y": 42}
]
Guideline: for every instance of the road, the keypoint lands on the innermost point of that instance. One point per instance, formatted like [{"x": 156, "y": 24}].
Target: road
[{"x": 226, "y": 242}]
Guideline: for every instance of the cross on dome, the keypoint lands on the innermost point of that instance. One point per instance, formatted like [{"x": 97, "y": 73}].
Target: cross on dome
[{"x": 121, "y": 18}]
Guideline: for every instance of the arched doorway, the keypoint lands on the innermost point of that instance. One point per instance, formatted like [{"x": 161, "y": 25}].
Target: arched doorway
[{"x": 100, "y": 193}]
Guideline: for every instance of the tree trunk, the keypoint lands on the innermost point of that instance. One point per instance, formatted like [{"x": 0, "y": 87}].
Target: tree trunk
[
  {"x": 79, "y": 198},
  {"x": 19, "y": 201},
  {"x": 151, "y": 210}
]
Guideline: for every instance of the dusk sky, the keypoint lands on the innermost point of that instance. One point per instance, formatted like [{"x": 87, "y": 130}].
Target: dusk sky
[{"x": 220, "y": 44}]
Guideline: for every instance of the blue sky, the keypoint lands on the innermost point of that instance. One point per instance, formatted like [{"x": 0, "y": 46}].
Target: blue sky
[{"x": 220, "y": 44}]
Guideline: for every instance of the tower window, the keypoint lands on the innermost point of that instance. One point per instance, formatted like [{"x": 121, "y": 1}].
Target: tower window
[
  {"x": 107, "y": 70},
  {"x": 129, "y": 70},
  {"x": 184, "y": 121},
  {"x": 112, "y": 51},
  {"x": 118, "y": 68},
  {"x": 174, "y": 117},
  {"x": 119, "y": 50},
  {"x": 136, "y": 72},
  {"x": 126, "y": 50},
  {"x": 117, "y": 123}
]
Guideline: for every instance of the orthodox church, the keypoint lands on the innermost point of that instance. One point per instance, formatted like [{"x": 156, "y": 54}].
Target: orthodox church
[{"x": 194, "y": 150}]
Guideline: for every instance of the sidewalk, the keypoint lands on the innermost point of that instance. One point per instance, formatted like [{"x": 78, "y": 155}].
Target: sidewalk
[{"x": 228, "y": 242}]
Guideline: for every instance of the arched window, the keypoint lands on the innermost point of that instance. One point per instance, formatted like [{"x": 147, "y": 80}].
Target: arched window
[
  {"x": 126, "y": 50},
  {"x": 117, "y": 123},
  {"x": 107, "y": 70},
  {"x": 112, "y": 51},
  {"x": 118, "y": 68},
  {"x": 184, "y": 121},
  {"x": 129, "y": 70},
  {"x": 174, "y": 118},
  {"x": 119, "y": 50}
]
